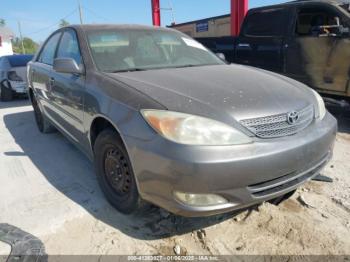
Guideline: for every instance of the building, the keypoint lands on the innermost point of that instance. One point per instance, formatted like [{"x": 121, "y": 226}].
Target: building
[
  {"x": 209, "y": 27},
  {"x": 5, "y": 41}
]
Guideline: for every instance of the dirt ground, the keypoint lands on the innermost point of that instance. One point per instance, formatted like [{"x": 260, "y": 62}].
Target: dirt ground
[{"x": 48, "y": 188}]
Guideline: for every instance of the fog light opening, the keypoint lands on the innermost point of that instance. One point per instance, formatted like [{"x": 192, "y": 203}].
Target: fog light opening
[{"x": 200, "y": 200}]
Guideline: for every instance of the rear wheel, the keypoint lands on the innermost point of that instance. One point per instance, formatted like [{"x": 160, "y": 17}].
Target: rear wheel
[
  {"x": 6, "y": 92},
  {"x": 42, "y": 123},
  {"x": 114, "y": 172}
]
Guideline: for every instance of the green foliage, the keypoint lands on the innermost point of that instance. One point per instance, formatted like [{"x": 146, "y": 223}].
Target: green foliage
[
  {"x": 63, "y": 23},
  {"x": 29, "y": 45},
  {"x": 2, "y": 22}
]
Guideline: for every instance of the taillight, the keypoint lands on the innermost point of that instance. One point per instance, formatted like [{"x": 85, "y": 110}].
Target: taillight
[{"x": 12, "y": 76}]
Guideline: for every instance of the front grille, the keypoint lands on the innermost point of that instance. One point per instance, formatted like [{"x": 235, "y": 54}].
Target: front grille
[
  {"x": 278, "y": 125},
  {"x": 293, "y": 179}
]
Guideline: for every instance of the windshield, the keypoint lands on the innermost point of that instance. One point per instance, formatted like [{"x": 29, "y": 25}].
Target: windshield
[
  {"x": 19, "y": 60},
  {"x": 131, "y": 50}
]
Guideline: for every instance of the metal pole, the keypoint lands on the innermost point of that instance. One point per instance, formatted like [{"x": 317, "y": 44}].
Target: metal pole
[
  {"x": 21, "y": 37},
  {"x": 80, "y": 13},
  {"x": 239, "y": 9},
  {"x": 156, "y": 12}
]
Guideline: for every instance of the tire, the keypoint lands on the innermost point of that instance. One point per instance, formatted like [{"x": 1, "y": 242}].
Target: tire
[
  {"x": 42, "y": 123},
  {"x": 114, "y": 172},
  {"x": 6, "y": 92}
]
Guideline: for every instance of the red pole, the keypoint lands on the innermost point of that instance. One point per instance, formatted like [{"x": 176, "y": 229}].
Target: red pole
[
  {"x": 156, "y": 12},
  {"x": 239, "y": 9}
]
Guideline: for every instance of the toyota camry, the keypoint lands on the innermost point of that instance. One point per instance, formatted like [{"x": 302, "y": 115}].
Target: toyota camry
[{"x": 166, "y": 121}]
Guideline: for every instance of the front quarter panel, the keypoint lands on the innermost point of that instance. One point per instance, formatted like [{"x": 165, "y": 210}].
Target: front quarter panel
[{"x": 119, "y": 104}]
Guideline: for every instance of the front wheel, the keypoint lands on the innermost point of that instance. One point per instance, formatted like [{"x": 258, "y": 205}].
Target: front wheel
[{"x": 114, "y": 172}]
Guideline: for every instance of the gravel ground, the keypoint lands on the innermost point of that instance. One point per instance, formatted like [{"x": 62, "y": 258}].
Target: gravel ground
[{"x": 48, "y": 188}]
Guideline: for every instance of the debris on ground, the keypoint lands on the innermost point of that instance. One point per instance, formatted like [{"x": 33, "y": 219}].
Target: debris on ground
[
  {"x": 177, "y": 250},
  {"x": 322, "y": 178},
  {"x": 302, "y": 201}
]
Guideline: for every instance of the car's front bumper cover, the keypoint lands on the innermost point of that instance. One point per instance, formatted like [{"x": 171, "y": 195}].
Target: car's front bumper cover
[{"x": 243, "y": 174}]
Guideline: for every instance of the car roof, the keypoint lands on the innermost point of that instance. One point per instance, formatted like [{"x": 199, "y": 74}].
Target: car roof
[
  {"x": 301, "y": 2},
  {"x": 94, "y": 27},
  {"x": 17, "y": 56},
  {"x": 17, "y": 60}
]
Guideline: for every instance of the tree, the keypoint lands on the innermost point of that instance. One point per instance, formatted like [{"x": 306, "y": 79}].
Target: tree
[
  {"x": 63, "y": 23},
  {"x": 29, "y": 45},
  {"x": 2, "y": 22}
]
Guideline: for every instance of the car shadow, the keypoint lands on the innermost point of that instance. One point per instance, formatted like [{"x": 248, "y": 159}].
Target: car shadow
[
  {"x": 17, "y": 102},
  {"x": 71, "y": 173}
]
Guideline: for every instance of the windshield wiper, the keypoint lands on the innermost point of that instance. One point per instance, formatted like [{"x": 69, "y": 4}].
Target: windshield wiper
[
  {"x": 191, "y": 65},
  {"x": 129, "y": 70},
  {"x": 182, "y": 66}
]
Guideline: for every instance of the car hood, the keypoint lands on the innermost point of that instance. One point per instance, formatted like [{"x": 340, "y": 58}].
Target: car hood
[{"x": 220, "y": 90}]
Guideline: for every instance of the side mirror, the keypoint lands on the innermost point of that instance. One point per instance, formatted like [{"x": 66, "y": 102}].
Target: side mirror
[
  {"x": 67, "y": 65},
  {"x": 221, "y": 56}
]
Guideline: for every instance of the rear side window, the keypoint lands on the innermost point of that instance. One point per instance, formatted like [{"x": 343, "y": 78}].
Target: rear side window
[
  {"x": 69, "y": 47},
  {"x": 272, "y": 22},
  {"x": 48, "y": 52},
  {"x": 19, "y": 60}
]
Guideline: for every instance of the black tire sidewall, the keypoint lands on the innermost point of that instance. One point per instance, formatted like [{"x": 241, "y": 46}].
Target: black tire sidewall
[
  {"x": 37, "y": 114},
  {"x": 6, "y": 93},
  {"x": 107, "y": 139}
]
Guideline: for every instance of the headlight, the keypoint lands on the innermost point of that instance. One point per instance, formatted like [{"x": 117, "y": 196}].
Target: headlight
[
  {"x": 200, "y": 199},
  {"x": 320, "y": 104},
  {"x": 193, "y": 130}
]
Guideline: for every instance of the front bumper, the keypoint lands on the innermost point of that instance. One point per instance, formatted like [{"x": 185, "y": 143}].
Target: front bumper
[{"x": 243, "y": 174}]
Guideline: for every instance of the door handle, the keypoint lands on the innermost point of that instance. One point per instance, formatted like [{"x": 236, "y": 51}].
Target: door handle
[
  {"x": 51, "y": 84},
  {"x": 52, "y": 81},
  {"x": 243, "y": 45}
]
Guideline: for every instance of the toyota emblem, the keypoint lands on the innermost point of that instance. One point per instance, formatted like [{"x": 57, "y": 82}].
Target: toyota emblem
[{"x": 292, "y": 117}]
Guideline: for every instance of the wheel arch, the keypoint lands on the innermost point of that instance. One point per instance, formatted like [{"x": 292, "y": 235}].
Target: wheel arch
[
  {"x": 31, "y": 94},
  {"x": 100, "y": 123}
]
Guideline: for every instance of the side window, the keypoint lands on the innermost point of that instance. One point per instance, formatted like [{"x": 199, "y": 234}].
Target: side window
[
  {"x": 69, "y": 47},
  {"x": 270, "y": 22},
  {"x": 316, "y": 21},
  {"x": 48, "y": 53}
]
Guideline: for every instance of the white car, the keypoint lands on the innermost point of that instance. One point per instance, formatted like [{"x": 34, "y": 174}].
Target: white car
[{"x": 13, "y": 76}]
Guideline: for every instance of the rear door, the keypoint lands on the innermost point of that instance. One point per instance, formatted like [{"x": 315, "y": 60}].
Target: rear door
[
  {"x": 67, "y": 90},
  {"x": 317, "y": 55},
  {"x": 41, "y": 74},
  {"x": 261, "y": 42}
]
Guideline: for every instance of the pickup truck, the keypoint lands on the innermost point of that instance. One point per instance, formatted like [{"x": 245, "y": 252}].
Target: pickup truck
[{"x": 305, "y": 40}]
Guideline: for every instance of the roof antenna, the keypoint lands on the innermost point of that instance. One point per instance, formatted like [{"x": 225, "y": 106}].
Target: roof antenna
[{"x": 172, "y": 12}]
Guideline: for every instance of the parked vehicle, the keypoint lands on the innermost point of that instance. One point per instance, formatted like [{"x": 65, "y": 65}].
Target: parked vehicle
[
  {"x": 166, "y": 121},
  {"x": 13, "y": 76},
  {"x": 305, "y": 40}
]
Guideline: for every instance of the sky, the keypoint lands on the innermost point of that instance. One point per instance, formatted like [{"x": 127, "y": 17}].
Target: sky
[{"x": 38, "y": 18}]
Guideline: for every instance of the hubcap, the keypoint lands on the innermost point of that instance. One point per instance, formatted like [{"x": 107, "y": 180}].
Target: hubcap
[{"x": 117, "y": 171}]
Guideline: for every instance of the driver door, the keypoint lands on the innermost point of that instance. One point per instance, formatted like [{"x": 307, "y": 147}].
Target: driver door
[{"x": 323, "y": 56}]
